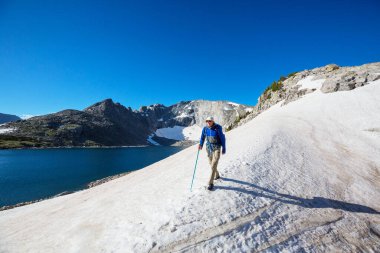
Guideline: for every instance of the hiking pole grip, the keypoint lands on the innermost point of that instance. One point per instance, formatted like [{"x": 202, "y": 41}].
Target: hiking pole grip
[{"x": 196, "y": 161}]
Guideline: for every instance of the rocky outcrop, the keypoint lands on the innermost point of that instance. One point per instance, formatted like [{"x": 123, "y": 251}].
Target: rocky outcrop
[{"x": 349, "y": 78}]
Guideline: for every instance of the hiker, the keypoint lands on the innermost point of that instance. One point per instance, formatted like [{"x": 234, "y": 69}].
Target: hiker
[{"x": 215, "y": 141}]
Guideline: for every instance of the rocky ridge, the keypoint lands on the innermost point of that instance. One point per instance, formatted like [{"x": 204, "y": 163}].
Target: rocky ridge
[{"x": 334, "y": 78}]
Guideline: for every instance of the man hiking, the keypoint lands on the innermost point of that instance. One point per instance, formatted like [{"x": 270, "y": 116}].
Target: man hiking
[{"x": 215, "y": 141}]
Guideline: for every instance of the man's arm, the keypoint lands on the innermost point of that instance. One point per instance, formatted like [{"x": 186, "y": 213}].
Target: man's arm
[
  {"x": 222, "y": 139},
  {"x": 203, "y": 136}
]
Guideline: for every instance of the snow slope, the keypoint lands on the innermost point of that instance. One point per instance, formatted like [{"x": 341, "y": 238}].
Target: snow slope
[{"x": 299, "y": 177}]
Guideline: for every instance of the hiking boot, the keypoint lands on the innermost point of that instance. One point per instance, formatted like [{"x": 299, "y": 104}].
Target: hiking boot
[
  {"x": 217, "y": 177},
  {"x": 210, "y": 187}
]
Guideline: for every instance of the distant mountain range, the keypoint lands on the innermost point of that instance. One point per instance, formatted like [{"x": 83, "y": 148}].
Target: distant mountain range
[
  {"x": 107, "y": 123},
  {"x": 4, "y": 118}
]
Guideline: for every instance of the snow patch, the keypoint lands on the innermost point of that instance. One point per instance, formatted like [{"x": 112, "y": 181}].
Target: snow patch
[
  {"x": 26, "y": 116},
  {"x": 7, "y": 130},
  {"x": 150, "y": 140},
  {"x": 189, "y": 107},
  {"x": 180, "y": 133},
  {"x": 234, "y": 104},
  {"x": 308, "y": 83},
  {"x": 183, "y": 115}
]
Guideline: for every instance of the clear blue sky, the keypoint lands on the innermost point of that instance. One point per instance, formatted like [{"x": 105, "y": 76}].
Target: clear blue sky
[{"x": 56, "y": 55}]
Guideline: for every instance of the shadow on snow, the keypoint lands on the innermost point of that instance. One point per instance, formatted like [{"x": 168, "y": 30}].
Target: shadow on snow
[{"x": 315, "y": 202}]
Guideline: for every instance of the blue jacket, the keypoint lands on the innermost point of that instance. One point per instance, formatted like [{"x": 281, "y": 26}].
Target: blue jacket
[{"x": 215, "y": 137}]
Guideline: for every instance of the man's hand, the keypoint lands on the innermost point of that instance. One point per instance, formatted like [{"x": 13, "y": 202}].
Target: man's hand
[{"x": 199, "y": 147}]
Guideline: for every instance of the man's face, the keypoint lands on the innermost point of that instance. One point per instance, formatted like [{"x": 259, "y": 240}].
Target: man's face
[{"x": 209, "y": 122}]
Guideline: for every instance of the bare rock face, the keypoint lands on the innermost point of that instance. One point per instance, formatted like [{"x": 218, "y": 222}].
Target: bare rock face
[
  {"x": 224, "y": 112},
  {"x": 187, "y": 113},
  {"x": 348, "y": 78},
  {"x": 336, "y": 78}
]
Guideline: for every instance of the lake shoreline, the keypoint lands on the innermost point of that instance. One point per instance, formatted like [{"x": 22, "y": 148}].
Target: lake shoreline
[
  {"x": 88, "y": 186},
  {"x": 79, "y": 147},
  {"x": 183, "y": 143}
]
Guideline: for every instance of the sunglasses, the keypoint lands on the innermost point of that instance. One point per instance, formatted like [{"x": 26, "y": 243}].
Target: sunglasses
[{"x": 208, "y": 121}]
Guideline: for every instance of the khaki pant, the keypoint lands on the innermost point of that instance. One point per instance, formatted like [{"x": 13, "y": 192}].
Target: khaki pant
[{"x": 213, "y": 160}]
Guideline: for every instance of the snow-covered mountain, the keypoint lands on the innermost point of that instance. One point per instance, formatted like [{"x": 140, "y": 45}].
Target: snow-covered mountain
[
  {"x": 301, "y": 176},
  {"x": 184, "y": 120}
]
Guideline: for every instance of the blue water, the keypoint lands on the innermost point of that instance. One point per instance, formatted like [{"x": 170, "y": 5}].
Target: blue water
[{"x": 31, "y": 174}]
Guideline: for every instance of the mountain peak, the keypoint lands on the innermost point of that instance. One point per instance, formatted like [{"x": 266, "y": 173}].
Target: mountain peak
[
  {"x": 104, "y": 107},
  {"x": 107, "y": 100}
]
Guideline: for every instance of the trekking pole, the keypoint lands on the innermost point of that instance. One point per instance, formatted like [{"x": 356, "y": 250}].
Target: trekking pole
[{"x": 196, "y": 161}]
